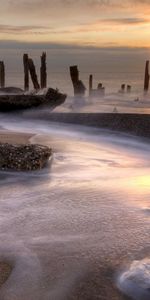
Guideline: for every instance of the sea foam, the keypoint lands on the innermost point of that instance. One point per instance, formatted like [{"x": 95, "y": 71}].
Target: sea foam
[{"x": 135, "y": 282}]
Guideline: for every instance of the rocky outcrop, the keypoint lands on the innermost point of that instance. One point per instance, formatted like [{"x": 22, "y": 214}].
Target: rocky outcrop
[
  {"x": 51, "y": 98},
  {"x": 23, "y": 157}
]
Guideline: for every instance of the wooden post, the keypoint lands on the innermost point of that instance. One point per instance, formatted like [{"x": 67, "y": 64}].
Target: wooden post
[
  {"x": 2, "y": 74},
  {"x": 146, "y": 80},
  {"x": 33, "y": 74},
  {"x": 90, "y": 84},
  {"x": 26, "y": 72},
  {"x": 79, "y": 88},
  {"x": 128, "y": 88},
  {"x": 74, "y": 73},
  {"x": 100, "y": 86},
  {"x": 123, "y": 86},
  {"x": 43, "y": 72}
]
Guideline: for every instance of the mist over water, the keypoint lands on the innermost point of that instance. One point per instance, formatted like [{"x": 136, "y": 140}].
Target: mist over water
[
  {"x": 111, "y": 67},
  {"x": 71, "y": 229}
]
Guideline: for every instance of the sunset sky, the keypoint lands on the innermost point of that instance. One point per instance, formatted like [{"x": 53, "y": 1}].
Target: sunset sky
[{"x": 97, "y": 23}]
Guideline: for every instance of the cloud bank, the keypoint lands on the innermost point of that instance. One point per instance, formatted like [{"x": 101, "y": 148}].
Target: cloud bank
[{"x": 80, "y": 22}]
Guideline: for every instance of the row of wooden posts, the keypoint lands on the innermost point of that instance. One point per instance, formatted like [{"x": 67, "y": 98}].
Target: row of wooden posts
[
  {"x": 79, "y": 88},
  {"x": 29, "y": 69}
]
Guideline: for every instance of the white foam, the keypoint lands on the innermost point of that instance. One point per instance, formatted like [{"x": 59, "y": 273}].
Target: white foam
[
  {"x": 135, "y": 282},
  {"x": 26, "y": 276}
]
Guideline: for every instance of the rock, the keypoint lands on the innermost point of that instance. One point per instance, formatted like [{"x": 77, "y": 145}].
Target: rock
[
  {"x": 12, "y": 101},
  {"x": 23, "y": 157}
]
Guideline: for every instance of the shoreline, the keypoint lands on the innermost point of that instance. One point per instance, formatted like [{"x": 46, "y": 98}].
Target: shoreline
[{"x": 134, "y": 124}]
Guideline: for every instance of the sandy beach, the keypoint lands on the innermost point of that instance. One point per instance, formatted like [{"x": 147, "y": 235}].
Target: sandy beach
[{"x": 14, "y": 137}]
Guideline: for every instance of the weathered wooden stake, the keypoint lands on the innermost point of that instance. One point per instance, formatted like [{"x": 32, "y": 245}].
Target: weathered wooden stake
[
  {"x": 26, "y": 72},
  {"x": 128, "y": 88},
  {"x": 146, "y": 80},
  {"x": 79, "y": 88},
  {"x": 100, "y": 86},
  {"x": 2, "y": 74},
  {"x": 90, "y": 84},
  {"x": 33, "y": 74},
  {"x": 43, "y": 73},
  {"x": 123, "y": 86},
  {"x": 74, "y": 73}
]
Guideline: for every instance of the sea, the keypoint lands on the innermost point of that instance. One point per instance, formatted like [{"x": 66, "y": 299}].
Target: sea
[
  {"x": 111, "y": 67},
  {"x": 79, "y": 228}
]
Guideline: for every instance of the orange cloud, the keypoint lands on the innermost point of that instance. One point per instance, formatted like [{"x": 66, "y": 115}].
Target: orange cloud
[{"x": 122, "y": 22}]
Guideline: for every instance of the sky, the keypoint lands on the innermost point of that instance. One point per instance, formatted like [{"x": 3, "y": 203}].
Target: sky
[{"x": 83, "y": 23}]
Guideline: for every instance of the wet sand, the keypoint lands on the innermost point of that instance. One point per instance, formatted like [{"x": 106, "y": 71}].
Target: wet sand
[
  {"x": 99, "y": 283},
  {"x": 15, "y": 137}
]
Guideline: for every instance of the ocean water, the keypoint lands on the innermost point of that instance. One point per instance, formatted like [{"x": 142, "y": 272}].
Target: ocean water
[
  {"x": 78, "y": 229},
  {"x": 112, "y": 67}
]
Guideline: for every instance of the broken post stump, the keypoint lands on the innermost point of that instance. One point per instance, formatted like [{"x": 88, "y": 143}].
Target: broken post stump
[
  {"x": 90, "y": 84},
  {"x": 100, "y": 89},
  {"x": 33, "y": 74},
  {"x": 123, "y": 86},
  {"x": 43, "y": 73},
  {"x": 74, "y": 73},
  {"x": 128, "y": 88},
  {"x": 26, "y": 72},
  {"x": 100, "y": 86},
  {"x": 2, "y": 74},
  {"x": 146, "y": 79},
  {"x": 79, "y": 88}
]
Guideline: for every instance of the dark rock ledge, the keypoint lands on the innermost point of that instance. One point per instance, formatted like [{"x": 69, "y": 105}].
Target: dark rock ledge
[
  {"x": 23, "y": 157},
  {"x": 5, "y": 271},
  {"x": 9, "y": 102}
]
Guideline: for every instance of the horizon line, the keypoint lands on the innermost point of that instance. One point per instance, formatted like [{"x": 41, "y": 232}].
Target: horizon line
[{"x": 50, "y": 45}]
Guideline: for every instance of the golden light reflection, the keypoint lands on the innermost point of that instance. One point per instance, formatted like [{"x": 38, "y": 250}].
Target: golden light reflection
[{"x": 140, "y": 183}]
